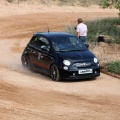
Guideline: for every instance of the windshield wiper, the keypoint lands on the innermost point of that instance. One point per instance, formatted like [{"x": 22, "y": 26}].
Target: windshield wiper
[
  {"x": 70, "y": 50},
  {"x": 75, "y": 50},
  {"x": 62, "y": 51}
]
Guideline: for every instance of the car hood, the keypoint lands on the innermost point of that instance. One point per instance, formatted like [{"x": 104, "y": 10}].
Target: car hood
[{"x": 76, "y": 55}]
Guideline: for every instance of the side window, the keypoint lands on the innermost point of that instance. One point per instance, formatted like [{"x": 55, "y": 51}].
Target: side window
[
  {"x": 40, "y": 42},
  {"x": 44, "y": 42}
]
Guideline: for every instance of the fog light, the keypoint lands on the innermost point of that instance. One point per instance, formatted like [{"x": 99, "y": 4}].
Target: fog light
[
  {"x": 74, "y": 74},
  {"x": 65, "y": 68},
  {"x": 95, "y": 72}
]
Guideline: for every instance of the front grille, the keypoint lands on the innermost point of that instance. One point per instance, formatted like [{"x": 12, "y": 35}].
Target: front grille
[{"x": 80, "y": 65}]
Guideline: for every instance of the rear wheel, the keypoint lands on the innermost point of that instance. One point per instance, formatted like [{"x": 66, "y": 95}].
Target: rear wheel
[
  {"x": 54, "y": 73},
  {"x": 25, "y": 62}
]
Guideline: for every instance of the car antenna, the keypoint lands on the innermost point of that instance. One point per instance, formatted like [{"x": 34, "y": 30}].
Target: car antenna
[{"x": 48, "y": 28}]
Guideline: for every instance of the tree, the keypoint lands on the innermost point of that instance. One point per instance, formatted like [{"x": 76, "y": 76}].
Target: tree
[{"x": 111, "y": 4}]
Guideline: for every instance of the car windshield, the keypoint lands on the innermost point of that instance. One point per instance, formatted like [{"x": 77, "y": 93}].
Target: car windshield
[{"x": 67, "y": 43}]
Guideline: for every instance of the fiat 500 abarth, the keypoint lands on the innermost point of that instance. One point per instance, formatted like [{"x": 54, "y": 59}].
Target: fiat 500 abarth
[{"x": 60, "y": 55}]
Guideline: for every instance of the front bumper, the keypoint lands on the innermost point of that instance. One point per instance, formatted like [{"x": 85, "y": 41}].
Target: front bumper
[{"x": 73, "y": 74}]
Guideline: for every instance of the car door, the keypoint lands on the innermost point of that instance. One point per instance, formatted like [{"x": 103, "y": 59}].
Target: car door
[
  {"x": 44, "y": 56},
  {"x": 33, "y": 50},
  {"x": 40, "y": 58}
]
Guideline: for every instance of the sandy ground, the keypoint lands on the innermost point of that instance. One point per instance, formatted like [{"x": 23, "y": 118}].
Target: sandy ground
[{"x": 33, "y": 96}]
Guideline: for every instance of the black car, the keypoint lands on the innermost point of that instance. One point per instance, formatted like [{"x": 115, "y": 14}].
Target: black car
[{"x": 60, "y": 55}]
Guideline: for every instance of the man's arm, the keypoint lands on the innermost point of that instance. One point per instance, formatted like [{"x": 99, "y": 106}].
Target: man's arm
[
  {"x": 77, "y": 31},
  {"x": 78, "y": 34}
]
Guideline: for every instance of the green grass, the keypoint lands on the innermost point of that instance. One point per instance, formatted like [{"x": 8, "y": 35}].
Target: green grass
[
  {"x": 109, "y": 27},
  {"x": 113, "y": 67}
]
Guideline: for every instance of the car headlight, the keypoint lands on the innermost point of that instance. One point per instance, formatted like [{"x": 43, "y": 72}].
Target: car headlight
[
  {"x": 95, "y": 60},
  {"x": 66, "y": 62}
]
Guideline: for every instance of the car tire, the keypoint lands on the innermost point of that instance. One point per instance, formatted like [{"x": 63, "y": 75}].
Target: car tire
[
  {"x": 54, "y": 73},
  {"x": 26, "y": 62}
]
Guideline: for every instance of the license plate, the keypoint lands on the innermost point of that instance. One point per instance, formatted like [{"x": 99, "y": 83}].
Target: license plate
[{"x": 85, "y": 71}]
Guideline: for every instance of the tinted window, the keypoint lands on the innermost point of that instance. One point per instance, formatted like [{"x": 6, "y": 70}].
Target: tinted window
[{"x": 40, "y": 42}]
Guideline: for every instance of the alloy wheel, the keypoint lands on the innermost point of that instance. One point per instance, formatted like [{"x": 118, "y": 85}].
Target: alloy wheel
[{"x": 54, "y": 72}]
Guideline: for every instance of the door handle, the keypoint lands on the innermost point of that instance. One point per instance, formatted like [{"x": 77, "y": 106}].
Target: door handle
[{"x": 34, "y": 52}]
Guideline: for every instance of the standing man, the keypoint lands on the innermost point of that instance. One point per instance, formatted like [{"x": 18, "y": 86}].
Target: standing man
[{"x": 82, "y": 30}]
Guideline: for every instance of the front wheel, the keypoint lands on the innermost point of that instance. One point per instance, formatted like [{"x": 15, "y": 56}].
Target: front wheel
[{"x": 54, "y": 73}]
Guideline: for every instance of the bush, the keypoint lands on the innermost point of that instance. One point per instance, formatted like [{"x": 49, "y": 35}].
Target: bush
[
  {"x": 79, "y": 2},
  {"x": 64, "y": 2},
  {"x": 10, "y": 1},
  {"x": 113, "y": 67},
  {"x": 107, "y": 27}
]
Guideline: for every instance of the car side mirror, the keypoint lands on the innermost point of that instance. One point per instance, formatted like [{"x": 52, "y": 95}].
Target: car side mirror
[{"x": 87, "y": 45}]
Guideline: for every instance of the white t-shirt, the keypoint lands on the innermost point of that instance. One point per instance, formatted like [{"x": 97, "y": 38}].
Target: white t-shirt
[{"x": 82, "y": 28}]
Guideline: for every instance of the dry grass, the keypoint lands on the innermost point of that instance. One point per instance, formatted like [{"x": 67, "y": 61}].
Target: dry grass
[
  {"x": 61, "y": 2},
  {"x": 107, "y": 52}
]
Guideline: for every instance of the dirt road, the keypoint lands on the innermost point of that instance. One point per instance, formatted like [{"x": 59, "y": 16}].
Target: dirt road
[{"x": 33, "y": 96}]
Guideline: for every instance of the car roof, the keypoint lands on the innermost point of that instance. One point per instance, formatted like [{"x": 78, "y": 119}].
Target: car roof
[{"x": 52, "y": 34}]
